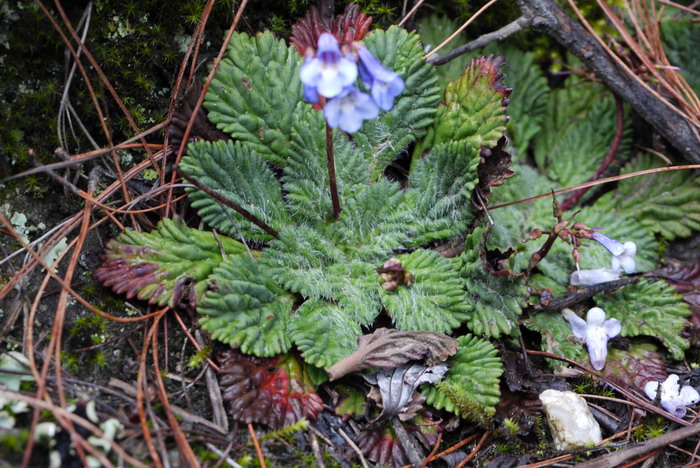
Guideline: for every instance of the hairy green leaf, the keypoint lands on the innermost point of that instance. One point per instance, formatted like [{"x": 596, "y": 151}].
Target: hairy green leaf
[
  {"x": 474, "y": 108},
  {"x": 384, "y": 138},
  {"x": 496, "y": 299},
  {"x": 158, "y": 266},
  {"x": 246, "y": 309},
  {"x": 471, "y": 387},
  {"x": 324, "y": 333},
  {"x": 441, "y": 187},
  {"x": 434, "y": 301},
  {"x": 667, "y": 203},
  {"x": 240, "y": 175},
  {"x": 256, "y": 92},
  {"x": 650, "y": 309}
]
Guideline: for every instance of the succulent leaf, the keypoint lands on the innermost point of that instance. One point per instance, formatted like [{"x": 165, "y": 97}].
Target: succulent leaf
[{"x": 159, "y": 266}]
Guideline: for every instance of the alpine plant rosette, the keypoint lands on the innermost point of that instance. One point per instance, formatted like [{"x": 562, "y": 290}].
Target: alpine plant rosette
[{"x": 331, "y": 72}]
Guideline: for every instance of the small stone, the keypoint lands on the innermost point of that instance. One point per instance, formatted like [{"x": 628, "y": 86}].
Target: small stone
[{"x": 570, "y": 421}]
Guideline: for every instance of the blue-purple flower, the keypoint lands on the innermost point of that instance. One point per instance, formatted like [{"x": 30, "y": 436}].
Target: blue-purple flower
[
  {"x": 328, "y": 72},
  {"x": 384, "y": 84},
  {"x": 673, "y": 398},
  {"x": 596, "y": 331},
  {"x": 623, "y": 254},
  {"x": 349, "y": 109}
]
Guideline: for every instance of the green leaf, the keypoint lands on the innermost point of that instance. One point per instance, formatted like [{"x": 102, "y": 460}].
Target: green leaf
[
  {"x": 496, "y": 299},
  {"x": 434, "y": 301},
  {"x": 471, "y": 387},
  {"x": 246, "y": 309},
  {"x": 528, "y": 101},
  {"x": 667, "y": 203},
  {"x": 386, "y": 137},
  {"x": 474, "y": 108},
  {"x": 578, "y": 130},
  {"x": 324, "y": 333},
  {"x": 650, "y": 309},
  {"x": 256, "y": 92},
  {"x": 557, "y": 337},
  {"x": 352, "y": 402},
  {"x": 158, "y": 266},
  {"x": 441, "y": 187},
  {"x": 681, "y": 40},
  {"x": 238, "y": 174}
]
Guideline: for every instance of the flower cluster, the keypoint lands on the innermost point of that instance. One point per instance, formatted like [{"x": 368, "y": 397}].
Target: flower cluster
[
  {"x": 622, "y": 256},
  {"x": 330, "y": 74},
  {"x": 596, "y": 331},
  {"x": 673, "y": 398}
]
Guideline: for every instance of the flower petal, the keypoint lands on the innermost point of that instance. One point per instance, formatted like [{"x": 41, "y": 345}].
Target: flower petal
[
  {"x": 612, "y": 327},
  {"x": 630, "y": 248},
  {"x": 332, "y": 112},
  {"x": 613, "y": 246},
  {"x": 597, "y": 343},
  {"x": 689, "y": 396},
  {"x": 310, "y": 72},
  {"x": 652, "y": 389},
  {"x": 578, "y": 325},
  {"x": 311, "y": 94},
  {"x": 615, "y": 264},
  {"x": 628, "y": 263},
  {"x": 595, "y": 317}
]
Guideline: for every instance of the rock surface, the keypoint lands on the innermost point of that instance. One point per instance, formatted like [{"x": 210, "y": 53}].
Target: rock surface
[{"x": 570, "y": 421}]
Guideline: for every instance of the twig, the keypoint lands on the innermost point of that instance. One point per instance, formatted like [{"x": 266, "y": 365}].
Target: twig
[
  {"x": 482, "y": 41},
  {"x": 618, "y": 458},
  {"x": 599, "y": 182},
  {"x": 664, "y": 117},
  {"x": 427, "y": 459},
  {"x": 454, "y": 448},
  {"x": 331, "y": 171},
  {"x": 316, "y": 449},
  {"x": 410, "y": 13},
  {"x": 461, "y": 28},
  {"x": 354, "y": 446},
  {"x": 475, "y": 451},
  {"x": 258, "y": 450},
  {"x": 570, "y": 299},
  {"x": 231, "y": 204},
  {"x": 614, "y": 147}
]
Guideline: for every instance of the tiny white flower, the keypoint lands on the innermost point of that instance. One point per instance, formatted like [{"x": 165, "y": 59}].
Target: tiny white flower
[
  {"x": 596, "y": 331},
  {"x": 592, "y": 277},
  {"x": 623, "y": 254},
  {"x": 673, "y": 398}
]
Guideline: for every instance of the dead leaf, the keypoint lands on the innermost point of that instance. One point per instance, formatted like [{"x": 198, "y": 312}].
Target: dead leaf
[
  {"x": 397, "y": 388},
  {"x": 388, "y": 348}
]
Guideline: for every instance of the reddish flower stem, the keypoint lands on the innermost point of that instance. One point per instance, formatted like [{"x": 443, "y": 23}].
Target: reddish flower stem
[
  {"x": 331, "y": 171},
  {"x": 614, "y": 147}
]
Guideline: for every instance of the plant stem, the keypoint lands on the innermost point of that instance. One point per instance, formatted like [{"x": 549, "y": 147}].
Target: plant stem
[{"x": 331, "y": 171}]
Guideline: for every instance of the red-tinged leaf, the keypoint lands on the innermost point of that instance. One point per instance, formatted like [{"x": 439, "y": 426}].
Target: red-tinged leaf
[
  {"x": 351, "y": 26},
  {"x": 276, "y": 391},
  {"x": 634, "y": 367},
  {"x": 388, "y": 348},
  {"x": 168, "y": 266},
  {"x": 380, "y": 445},
  {"x": 493, "y": 171}
]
